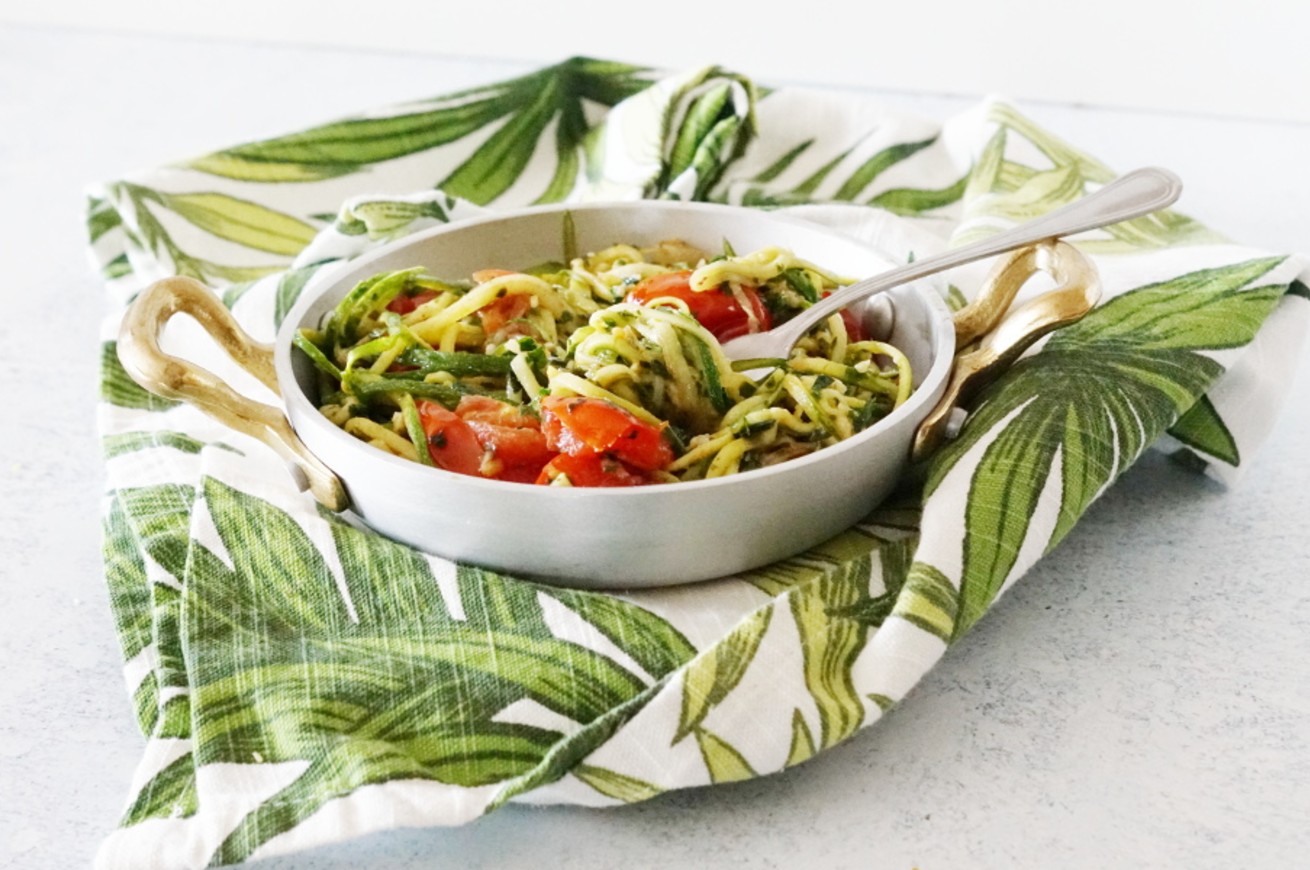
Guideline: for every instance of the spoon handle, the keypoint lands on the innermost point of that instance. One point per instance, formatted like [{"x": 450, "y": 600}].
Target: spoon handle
[{"x": 1132, "y": 195}]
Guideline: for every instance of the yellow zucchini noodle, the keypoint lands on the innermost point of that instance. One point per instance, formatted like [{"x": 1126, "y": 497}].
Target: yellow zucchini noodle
[{"x": 577, "y": 328}]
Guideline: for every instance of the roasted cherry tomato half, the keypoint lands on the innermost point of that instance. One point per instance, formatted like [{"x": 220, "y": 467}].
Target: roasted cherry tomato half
[
  {"x": 403, "y": 304},
  {"x": 591, "y": 469},
  {"x": 452, "y": 443},
  {"x": 513, "y": 443},
  {"x": 496, "y": 315},
  {"x": 854, "y": 329},
  {"x": 577, "y": 425},
  {"x": 486, "y": 438},
  {"x": 716, "y": 310},
  {"x": 499, "y": 313}
]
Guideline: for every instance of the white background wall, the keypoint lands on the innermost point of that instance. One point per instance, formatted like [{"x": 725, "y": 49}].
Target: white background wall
[{"x": 1244, "y": 58}]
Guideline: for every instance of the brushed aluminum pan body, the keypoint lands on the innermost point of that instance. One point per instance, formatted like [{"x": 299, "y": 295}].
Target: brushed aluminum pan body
[{"x": 622, "y": 537}]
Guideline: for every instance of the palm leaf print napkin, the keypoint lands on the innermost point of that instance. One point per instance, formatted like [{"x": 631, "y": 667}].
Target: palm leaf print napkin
[{"x": 300, "y": 681}]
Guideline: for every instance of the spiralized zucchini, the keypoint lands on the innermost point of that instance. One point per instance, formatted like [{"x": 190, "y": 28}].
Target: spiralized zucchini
[{"x": 599, "y": 327}]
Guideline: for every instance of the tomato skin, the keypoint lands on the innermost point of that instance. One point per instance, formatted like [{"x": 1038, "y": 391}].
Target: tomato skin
[
  {"x": 577, "y": 426},
  {"x": 591, "y": 469},
  {"x": 717, "y": 311},
  {"x": 485, "y": 409},
  {"x": 500, "y": 312},
  {"x": 594, "y": 442},
  {"x": 854, "y": 329},
  {"x": 496, "y": 315},
  {"x": 403, "y": 304},
  {"x": 513, "y": 444},
  {"x": 485, "y": 438},
  {"x": 452, "y": 443}
]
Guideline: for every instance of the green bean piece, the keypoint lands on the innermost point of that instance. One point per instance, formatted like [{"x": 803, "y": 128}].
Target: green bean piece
[
  {"x": 367, "y": 386},
  {"x": 414, "y": 426},
  {"x": 459, "y": 363}
]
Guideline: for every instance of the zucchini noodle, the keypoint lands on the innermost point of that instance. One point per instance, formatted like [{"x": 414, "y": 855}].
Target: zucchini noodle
[
  {"x": 381, "y": 437},
  {"x": 636, "y": 327}
]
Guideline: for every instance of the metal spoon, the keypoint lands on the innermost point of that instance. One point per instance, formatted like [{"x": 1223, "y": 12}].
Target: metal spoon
[{"x": 1138, "y": 193}]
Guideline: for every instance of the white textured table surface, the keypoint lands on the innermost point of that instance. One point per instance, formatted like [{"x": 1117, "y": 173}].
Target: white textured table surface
[{"x": 1141, "y": 698}]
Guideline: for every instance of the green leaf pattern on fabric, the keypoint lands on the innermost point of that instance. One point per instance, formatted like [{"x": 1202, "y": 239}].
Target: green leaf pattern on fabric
[
  {"x": 168, "y": 795},
  {"x": 128, "y": 442},
  {"x": 722, "y": 760},
  {"x": 1202, "y": 429},
  {"x": 118, "y": 388},
  {"x": 261, "y": 634},
  {"x": 1086, "y": 407},
  {"x": 929, "y": 601},
  {"x": 628, "y": 789},
  {"x": 710, "y": 678}
]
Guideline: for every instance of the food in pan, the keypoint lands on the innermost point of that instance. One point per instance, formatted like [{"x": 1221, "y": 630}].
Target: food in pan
[{"x": 605, "y": 370}]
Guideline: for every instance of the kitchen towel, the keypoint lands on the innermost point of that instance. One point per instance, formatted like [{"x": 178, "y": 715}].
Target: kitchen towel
[{"x": 300, "y": 681}]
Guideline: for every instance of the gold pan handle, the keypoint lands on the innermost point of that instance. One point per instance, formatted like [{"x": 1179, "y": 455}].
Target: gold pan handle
[
  {"x": 1078, "y": 288},
  {"x": 173, "y": 378}
]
